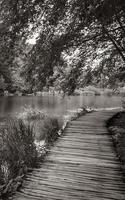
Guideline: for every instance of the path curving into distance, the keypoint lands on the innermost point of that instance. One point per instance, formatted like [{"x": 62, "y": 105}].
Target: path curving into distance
[{"x": 82, "y": 165}]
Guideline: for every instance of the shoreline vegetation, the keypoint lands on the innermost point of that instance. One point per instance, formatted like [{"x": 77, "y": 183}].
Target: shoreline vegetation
[
  {"x": 22, "y": 149},
  {"x": 89, "y": 90},
  {"x": 116, "y": 127}
]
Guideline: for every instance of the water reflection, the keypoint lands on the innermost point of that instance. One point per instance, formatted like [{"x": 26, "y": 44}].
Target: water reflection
[{"x": 56, "y": 104}]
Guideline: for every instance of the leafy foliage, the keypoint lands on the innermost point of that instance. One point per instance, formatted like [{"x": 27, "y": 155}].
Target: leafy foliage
[{"x": 65, "y": 26}]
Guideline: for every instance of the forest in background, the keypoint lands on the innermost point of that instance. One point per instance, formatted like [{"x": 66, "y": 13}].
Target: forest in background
[{"x": 78, "y": 43}]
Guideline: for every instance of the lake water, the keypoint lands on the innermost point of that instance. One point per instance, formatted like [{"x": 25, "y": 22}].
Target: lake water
[{"x": 10, "y": 106}]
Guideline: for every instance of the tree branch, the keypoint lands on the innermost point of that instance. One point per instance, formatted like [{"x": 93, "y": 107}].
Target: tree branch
[{"x": 114, "y": 43}]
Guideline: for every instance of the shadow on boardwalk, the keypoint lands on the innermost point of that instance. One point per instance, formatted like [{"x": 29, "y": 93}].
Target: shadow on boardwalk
[{"x": 81, "y": 166}]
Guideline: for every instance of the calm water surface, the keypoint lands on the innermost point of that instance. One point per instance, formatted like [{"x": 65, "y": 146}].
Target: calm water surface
[{"x": 55, "y": 104}]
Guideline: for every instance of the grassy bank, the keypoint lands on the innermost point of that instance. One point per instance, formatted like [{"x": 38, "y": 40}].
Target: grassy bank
[{"x": 116, "y": 126}]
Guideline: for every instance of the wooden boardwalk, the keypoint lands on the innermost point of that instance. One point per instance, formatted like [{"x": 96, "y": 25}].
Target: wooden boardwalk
[{"x": 81, "y": 166}]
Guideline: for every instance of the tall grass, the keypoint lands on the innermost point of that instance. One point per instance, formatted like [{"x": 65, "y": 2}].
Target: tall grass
[
  {"x": 17, "y": 152},
  {"x": 50, "y": 129},
  {"x": 30, "y": 113},
  {"x": 45, "y": 127}
]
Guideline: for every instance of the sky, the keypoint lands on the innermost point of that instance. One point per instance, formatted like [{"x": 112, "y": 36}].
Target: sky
[{"x": 33, "y": 39}]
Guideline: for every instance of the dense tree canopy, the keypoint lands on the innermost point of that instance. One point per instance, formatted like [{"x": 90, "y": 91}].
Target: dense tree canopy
[{"x": 72, "y": 36}]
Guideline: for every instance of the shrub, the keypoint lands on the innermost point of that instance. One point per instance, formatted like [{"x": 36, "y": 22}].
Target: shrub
[{"x": 116, "y": 126}]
